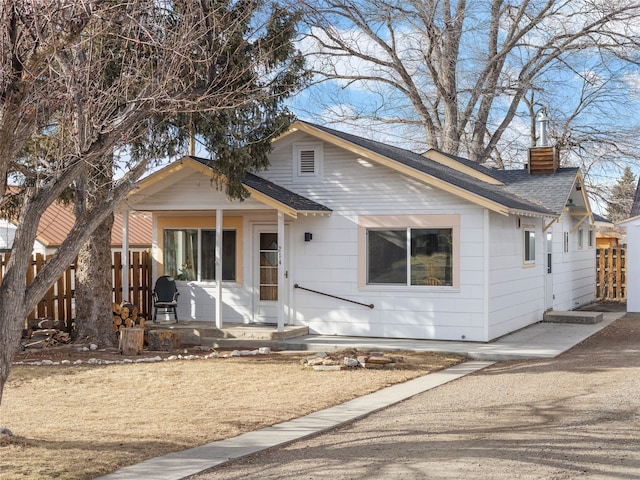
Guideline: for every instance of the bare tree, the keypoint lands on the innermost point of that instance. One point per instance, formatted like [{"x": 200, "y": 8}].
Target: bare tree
[
  {"x": 468, "y": 77},
  {"x": 95, "y": 76}
]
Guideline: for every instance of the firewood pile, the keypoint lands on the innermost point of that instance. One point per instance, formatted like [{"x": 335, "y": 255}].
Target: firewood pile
[
  {"x": 43, "y": 332},
  {"x": 126, "y": 315}
]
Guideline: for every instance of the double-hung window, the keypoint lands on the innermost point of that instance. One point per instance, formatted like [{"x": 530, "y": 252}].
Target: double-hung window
[
  {"x": 190, "y": 254},
  {"x": 410, "y": 256}
]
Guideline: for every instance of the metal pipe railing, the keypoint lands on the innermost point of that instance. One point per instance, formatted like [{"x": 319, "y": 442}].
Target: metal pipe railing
[{"x": 333, "y": 296}]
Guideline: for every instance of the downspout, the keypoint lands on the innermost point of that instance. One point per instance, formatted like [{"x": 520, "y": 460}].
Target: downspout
[{"x": 485, "y": 280}]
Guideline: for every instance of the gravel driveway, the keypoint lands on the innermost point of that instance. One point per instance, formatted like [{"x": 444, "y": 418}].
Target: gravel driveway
[{"x": 573, "y": 417}]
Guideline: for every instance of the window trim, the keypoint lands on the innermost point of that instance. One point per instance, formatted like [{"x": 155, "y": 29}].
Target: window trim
[
  {"x": 367, "y": 222},
  {"x": 528, "y": 254}
]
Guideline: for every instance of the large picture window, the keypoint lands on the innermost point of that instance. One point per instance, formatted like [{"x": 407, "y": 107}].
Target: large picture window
[
  {"x": 190, "y": 254},
  {"x": 410, "y": 256}
]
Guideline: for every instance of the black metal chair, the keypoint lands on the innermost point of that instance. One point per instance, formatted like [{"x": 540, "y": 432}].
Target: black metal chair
[{"x": 165, "y": 296}]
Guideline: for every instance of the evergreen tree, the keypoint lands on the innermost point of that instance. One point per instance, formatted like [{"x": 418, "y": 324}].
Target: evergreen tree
[
  {"x": 621, "y": 197},
  {"x": 96, "y": 77}
]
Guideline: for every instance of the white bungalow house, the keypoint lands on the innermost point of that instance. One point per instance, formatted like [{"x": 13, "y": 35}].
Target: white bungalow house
[
  {"x": 633, "y": 254},
  {"x": 349, "y": 236}
]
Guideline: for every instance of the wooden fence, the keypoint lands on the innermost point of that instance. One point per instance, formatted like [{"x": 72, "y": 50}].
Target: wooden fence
[
  {"x": 611, "y": 274},
  {"x": 59, "y": 302}
]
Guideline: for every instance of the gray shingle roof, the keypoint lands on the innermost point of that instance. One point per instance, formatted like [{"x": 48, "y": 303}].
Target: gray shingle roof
[
  {"x": 545, "y": 194},
  {"x": 276, "y": 192}
]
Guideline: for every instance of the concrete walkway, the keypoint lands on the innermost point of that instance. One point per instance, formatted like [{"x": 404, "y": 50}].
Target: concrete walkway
[{"x": 542, "y": 340}]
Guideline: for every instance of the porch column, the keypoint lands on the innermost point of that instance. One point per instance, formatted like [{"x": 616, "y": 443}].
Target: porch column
[
  {"x": 281, "y": 272},
  {"x": 218, "y": 268},
  {"x": 125, "y": 255}
]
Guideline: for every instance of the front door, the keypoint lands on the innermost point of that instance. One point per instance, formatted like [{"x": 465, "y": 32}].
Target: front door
[{"x": 266, "y": 265}]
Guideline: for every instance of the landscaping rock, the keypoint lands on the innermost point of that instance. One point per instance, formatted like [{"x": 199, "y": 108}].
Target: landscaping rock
[
  {"x": 351, "y": 362},
  {"x": 327, "y": 368},
  {"x": 350, "y": 359}
]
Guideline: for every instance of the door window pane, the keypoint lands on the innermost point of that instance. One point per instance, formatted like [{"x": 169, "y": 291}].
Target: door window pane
[{"x": 269, "y": 266}]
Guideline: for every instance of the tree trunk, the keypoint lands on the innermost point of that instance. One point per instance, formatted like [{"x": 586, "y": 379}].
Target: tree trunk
[
  {"x": 94, "y": 288},
  {"x": 13, "y": 305},
  {"x": 11, "y": 313}
]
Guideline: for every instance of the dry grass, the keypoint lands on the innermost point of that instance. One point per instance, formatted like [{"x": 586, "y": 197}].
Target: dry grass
[{"x": 81, "y": 422}]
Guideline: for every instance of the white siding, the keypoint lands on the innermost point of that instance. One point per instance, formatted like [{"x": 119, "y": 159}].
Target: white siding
[
  {"x": 516, "y": 290},
  {"x": 7, "y": 233},
  {"x": 574, "y": 272},
  {"x": 353, "y": 187},
  {"x": 188, "y": 190},
  {"x": 633, "y": 266}
]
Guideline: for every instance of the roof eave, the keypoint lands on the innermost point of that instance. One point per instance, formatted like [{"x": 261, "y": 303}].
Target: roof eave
[{"x": 282, "y": 207}]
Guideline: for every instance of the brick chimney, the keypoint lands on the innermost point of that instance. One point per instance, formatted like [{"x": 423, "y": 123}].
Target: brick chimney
[{"x": 543, "y": 158}]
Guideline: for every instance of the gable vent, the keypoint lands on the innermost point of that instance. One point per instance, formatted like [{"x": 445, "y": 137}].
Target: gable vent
[{"x": 307, "y": 161}]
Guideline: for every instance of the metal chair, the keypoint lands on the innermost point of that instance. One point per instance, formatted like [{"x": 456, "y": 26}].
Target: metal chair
[{"x": 165, "y": 296}]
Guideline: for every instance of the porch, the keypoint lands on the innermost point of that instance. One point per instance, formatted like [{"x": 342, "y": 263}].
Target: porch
[{"x": 241, "y": 335}]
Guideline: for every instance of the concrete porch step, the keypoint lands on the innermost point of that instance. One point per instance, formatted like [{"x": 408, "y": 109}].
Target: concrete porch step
[
  {"x": 574, "y": 316},
  {"x": 206, "y": 334}
]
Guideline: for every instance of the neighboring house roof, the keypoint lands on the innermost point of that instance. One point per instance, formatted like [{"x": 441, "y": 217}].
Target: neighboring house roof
[
  {"x": 506, "y": 191},
  {"x": 602, "y": 220},
  {"x": 58, "y": 220}
]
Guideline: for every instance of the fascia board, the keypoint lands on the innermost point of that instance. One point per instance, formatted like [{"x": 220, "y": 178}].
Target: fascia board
[{"x": 447, "y": 161}]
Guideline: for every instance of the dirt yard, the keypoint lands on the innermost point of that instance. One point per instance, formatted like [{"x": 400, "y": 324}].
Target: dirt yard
[
  {"x": 80, "y": 421},
  {"x": 572, "y": 417}
]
